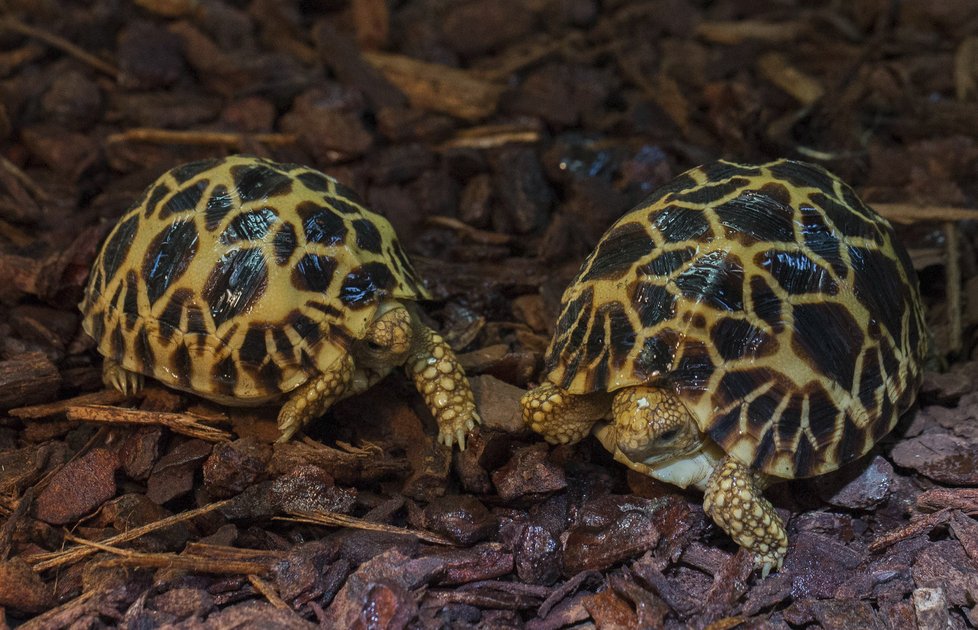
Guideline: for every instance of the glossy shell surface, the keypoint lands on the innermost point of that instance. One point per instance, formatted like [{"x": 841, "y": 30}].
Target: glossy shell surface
[
  {"x": 779, "y": 307},
  {"x": 239, "y": 278}
]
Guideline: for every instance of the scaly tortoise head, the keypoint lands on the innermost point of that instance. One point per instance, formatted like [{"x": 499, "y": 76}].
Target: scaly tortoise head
[{"x": 779, "y": 308}]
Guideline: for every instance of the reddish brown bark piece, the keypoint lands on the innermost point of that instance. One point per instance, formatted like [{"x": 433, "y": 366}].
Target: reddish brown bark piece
[
  {"x": 78, "y": 488},
  {"x": 28, "y": 379},
  {"x": 22, "y": 589}
]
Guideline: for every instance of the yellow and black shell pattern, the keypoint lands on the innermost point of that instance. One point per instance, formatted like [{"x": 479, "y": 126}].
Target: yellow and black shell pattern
[
  {"x": 779, "y": 307},
  {"x": 239, "y": 278}
]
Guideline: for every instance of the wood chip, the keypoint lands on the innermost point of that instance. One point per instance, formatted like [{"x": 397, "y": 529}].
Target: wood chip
[{"x": 437, "y": 87}]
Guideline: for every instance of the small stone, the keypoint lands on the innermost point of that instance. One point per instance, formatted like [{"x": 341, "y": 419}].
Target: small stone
[
  {"x": 529, "y": 471},
  {"x": 139, "y": 452},
  {"x": 173, "y": 475},
  {"x": 538, "y": 556},
  {"x": 183, "y": 603},
  {"x": 858, "y": 485},
  {"x": 22, "y": 589},
  {"x": 498, "y": 403},
  {"x": 309, "y": 488},
  {"x": 944, "y": 458},
  {"x": 460, "y": 517},
  {"x": 233, "y": 466},
  {"x": 78, "y": 488}
]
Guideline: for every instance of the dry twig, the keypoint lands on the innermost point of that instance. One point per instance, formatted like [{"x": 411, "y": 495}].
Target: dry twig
[
  {"x": 335, "y": 519},
  {"x": 61, "y": 44},
  {"x": 182, "y": 423},
  {"x": 224, "y": 138}
]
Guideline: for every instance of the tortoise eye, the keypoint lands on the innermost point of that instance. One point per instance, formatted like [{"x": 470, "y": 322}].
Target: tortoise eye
[{"x": 669, "y": 435}]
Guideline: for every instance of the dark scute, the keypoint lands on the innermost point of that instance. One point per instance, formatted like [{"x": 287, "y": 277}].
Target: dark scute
[
  {"x": 653, "y": 303},
  {"x": 764, "y": 452},
  {"x": 284, "y": 243},
  {"x": 238, "y": 279},
  {"x": 327, "y": 309},
  {"x": 721, "y": 169},
  {"x": 117, "y": 344},
  {"x": 366, "y": 283},
  {"x": 270, "y": 375},
  {"x": 116, "y": 249},
  {"x": 181, "y": 365},
  {"x": 767, "y": 305},
  {"x": 195, "y": 320},
  {"x": 320, "y": 224},
  {"x": 777, "y": 192},
  {"x": 154, "y": 199},
  {"x": 823, "y": 416},
  {"x": 344, "y": 199},
  {"x": 253, "y": 349},
  {"x": 716, "y": 279},
  {"x": 118, "y": 296},
  {"x": 830, "y": 338},
  {"x": 804, "y": 175},
  {"x": 397, "y": 253},
  {"x": 225, "y": 375},
  {"x": 884, "y": 421},
  {"x": 789, "y": 424},
  {"x": 313, "y": 272},
  {"x": 845, "y": 221},
  {"x": 758, "y": 216},
  {"x": 283, "y": 345},
  {"x": 306, "y": 327},
  {"x": 130, "y": 305},
  {"x": 708, "y": 194},
  {"x": 98, "y": 326},
  {"x": 218, "y": 206},
  {"x": 259, "y": 181},
  {"x": 877, "y": 284},
  {"x": 737, "y": 385},
  {"x": 725, "y": 425},
  {"x": 806, "y": 458},
  {"x": 680, "y": 224},
  {"x": 761, "y": 410},
  {"x": 870, "y": 380},
  {"x": 677, "y": 184},
  {"x": 572, "y": 323},
  {"x": 738, "y": 339},
  {"x": 144, "y": 350},
  {"x": 889, "y": 361},
  {"x": 599, "y": 376},
  {"x": 572, "y": 310},
  {"x": 694, "y": 368},
  {"x": 187, "y": 171},
  {"x": 622, "y": 333},
  {"x": 314, "y": 181},
  {"x": 666, "y": 263},
  {"x": 173, "y": 312},
  {"x": 184, "y": 199},
  {"x": 796, "y": 272},
  {"x": 821, "y": 240},
  {"x": 617, "y": 252},
  {"x": 852, "y": 442},
  {"x": 368, "y": 236},
  {"x": 168, "y": 257},
  {"x": 656, "y": 354},
  {"x": 249, "y": 226},
  {"x": 596, "y": 343}
]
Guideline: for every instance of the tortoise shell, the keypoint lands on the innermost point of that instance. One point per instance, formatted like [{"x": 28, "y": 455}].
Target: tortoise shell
[
  {"x": 239, "y": 278},
  {"x": 780, "y": 309}
]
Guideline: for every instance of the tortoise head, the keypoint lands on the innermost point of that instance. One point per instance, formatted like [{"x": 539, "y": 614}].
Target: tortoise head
[
  {"x": 388, "y": 339},
  {"x": 652, "y": 425}
]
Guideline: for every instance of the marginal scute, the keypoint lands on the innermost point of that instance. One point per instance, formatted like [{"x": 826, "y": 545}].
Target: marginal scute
[{"x": 777, "y": 306}]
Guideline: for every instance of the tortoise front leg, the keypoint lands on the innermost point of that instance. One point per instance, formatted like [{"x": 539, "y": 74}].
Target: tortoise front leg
[
  {"x": 734, "y": 501},
  {"x": 561, "y": 417},
  {"x": 118, "y": 377},
  {"x": 311, "y": 399},
  {"x": 440, "y": 379}
]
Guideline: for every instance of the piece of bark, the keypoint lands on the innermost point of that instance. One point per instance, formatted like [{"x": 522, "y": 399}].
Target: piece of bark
[
  {"x": 78, "y": 488},
  {"x": 28, "y": 379}
]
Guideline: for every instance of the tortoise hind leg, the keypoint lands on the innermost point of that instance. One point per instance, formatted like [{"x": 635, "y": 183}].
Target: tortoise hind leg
[
  {"x": 311, "y": 399},
  {"x": 734, "y": 501},
  {"x": 118, "y": 377},
  {"x": 561, "y": 417}
]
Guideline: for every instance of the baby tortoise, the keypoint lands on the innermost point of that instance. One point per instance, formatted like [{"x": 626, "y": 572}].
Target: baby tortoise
[
  {"x": 247, "y": 281},
  {"x": 744, "y": 324}
]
